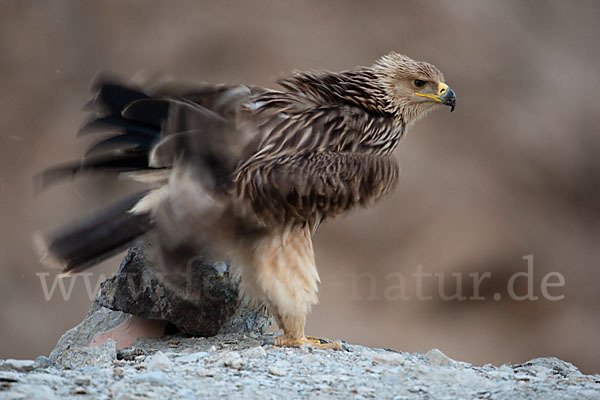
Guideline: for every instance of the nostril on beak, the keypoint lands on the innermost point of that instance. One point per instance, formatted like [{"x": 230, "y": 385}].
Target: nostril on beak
[{"x": 442, "y": 91}]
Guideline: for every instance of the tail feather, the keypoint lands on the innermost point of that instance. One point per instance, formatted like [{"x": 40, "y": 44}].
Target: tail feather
[
  {"x": 148, "y": 111},
  {"x": 131, "y": 160},
  {"x": 95, "y": 238},
  {"x": 117, "y": 122},
  {"x": 125, "y": 141},
  {"x": 114, "y": 97}
]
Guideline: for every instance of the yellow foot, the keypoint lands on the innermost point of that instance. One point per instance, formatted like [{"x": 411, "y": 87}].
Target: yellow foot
[{"x": 288, "y": 341}]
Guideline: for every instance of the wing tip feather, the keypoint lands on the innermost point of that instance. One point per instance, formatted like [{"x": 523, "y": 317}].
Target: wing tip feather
[{"x": 47, "y": 258}]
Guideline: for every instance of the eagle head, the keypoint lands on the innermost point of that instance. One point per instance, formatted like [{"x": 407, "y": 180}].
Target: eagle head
[{"x": 412, "y": 88}]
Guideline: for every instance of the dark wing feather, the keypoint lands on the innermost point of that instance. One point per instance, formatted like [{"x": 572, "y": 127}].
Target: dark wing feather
[
  {"x": 94, "y": 238},
  {"x": 130, "y": 160},
  {"x": 117, "y": 122},
  {"x": 123, "y": 141},
  {"x": 112, "y": 97},
  {"x": 149, "y": 111},
  {"x": 197, "y": 134}
]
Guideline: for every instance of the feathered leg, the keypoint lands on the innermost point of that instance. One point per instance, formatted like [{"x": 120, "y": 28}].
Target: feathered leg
[{"x": 284, "y": 276}]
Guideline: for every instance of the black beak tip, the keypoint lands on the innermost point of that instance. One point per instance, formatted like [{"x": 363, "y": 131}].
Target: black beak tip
[{"x": 449, "y": 99}]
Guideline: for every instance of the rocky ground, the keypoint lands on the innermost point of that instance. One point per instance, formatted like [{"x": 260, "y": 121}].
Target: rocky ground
[
  {"x": 123, "y": 350},
  {"x": 241, "y": 367}
]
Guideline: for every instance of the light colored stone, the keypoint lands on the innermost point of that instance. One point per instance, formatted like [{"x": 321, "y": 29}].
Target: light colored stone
[
  {"x": 47, "y": 379},
  {"x": 153, "y": 377},
  {"x": 26, "y": 392},
  {"x": 385, "y": 357},
  {"x": 158, "y": 361},
  {"x": 310, "y": 358},
  {"x": 277, "y": 371},
  {"x": 255, "y": 352},
  {"x": 18, "y": 365},
  {"x": 97, "y": 321},
  {"x": 193, "y": 357},
  {"x": 233, "y": 360},
  {"x": 205, "y": 372},
  {"x": 436, "y": 357},
  {"x": 80, "y": 390}
]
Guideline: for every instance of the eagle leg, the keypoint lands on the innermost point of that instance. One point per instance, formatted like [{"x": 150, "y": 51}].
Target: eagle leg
[
  {"x": 284, "y": 276},
  {"x": 293, "y": 335}
]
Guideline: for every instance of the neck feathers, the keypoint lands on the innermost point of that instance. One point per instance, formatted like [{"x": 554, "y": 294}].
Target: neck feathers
[{"x": 359, "y": 88}]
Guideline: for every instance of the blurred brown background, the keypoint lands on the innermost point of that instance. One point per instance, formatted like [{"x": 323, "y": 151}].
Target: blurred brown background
[{"x": 513, "y": 172}]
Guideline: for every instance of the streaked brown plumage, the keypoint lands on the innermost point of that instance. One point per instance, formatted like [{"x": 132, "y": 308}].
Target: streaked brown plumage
[{"x": 247, "y": 173}]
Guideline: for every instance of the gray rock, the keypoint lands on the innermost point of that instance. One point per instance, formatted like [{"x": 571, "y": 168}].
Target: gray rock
[
  {"x": 201, "y": 301},
  {"x": 83, "y": 380},
  {"x": 233, "y": 366},
  {"x": 43, "y": 362},
  {"x": 83, "y": 356},
  {"x": 47, "y": 379},
  {"x": 8, "y": 377},
  {"x": 549, "y": 365},
  {"x": 134, "y": 290},
  {"x": 98, "y": 320},
  {"x": 25, "y": 392},
  {"x": 17, "y": 365},
  {"x": 153, "y": 377}
]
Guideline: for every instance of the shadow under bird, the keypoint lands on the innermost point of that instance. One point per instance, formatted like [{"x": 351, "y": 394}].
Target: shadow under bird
[{"x": 245, "y": 173}]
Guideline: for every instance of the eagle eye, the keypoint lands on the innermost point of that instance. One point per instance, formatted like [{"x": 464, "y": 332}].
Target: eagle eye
[{"x": 418, "y": 83}]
